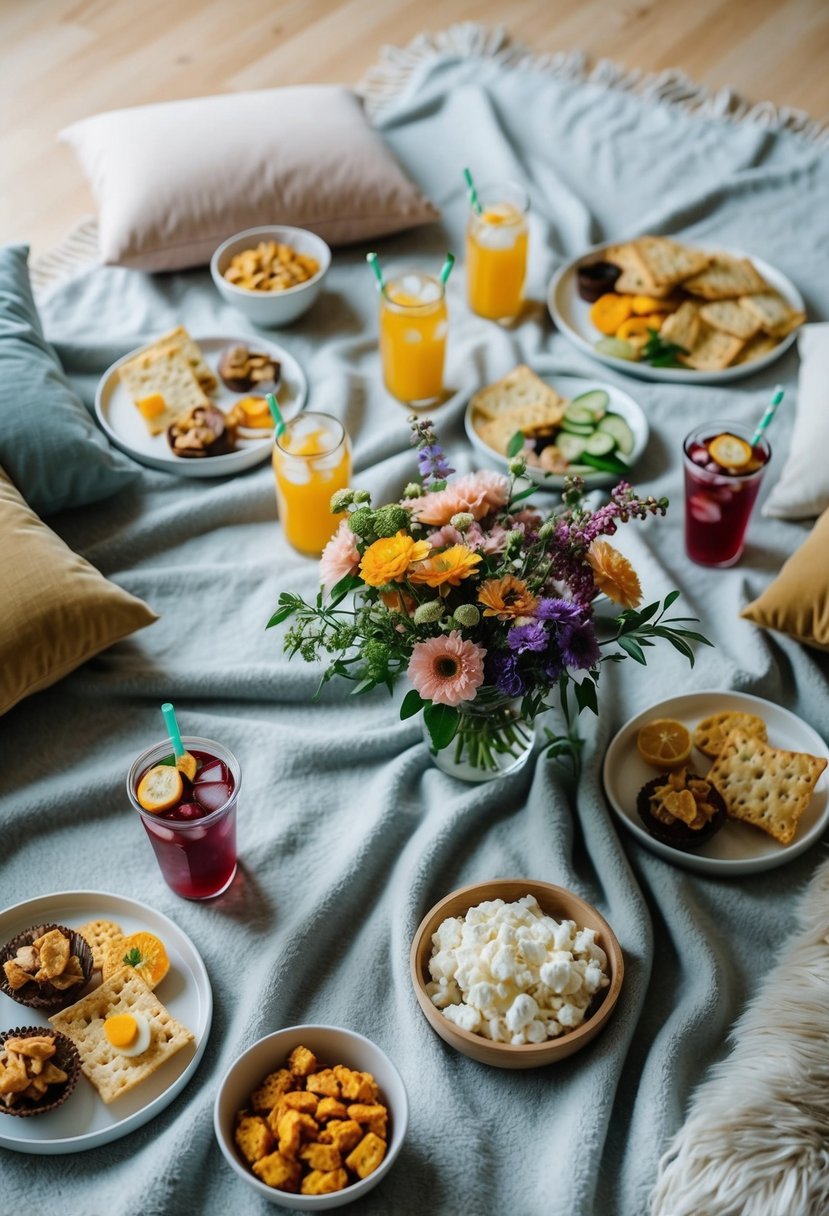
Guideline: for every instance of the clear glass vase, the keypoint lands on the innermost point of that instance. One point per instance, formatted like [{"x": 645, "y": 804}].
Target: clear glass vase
[{"x": 492, "y": 740}]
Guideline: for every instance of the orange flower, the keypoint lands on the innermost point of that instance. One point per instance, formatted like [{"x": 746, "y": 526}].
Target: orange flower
[
  {"x": 398, "y": 601},
  {"x": 614, "y": 575},
  {"x": 450, "y": 566},
  {"x": 506, "y": 598},
  {"x": 388, "y": 559}
]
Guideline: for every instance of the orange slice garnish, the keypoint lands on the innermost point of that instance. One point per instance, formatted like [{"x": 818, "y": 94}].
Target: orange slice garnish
[
  {"x": 730, "y": 452},
  {"x": 160, "y": 788},
  {"x": 145, "y": 953},
  {"x": 664, "y": 743}
]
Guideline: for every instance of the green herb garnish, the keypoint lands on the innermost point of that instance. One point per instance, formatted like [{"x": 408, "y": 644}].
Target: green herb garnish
[
  {"x": 660, "y": 353},
  {"x": 133, "y": 957},
  {"x": 515, "y": 444}
]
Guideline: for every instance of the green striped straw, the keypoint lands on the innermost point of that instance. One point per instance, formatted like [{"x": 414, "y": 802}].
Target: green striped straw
[
  {"x": 172, "y": 729},
  {"x": 473, "y": 193},
  {"x": 278, "y": 420},
  {"x": 765, "y": 421},
  {"x": 371, "y": 258},
  {"x": 446, "y": 268}
]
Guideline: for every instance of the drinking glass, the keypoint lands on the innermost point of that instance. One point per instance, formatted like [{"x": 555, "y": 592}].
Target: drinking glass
[
  {"x": 718, "y": 500},
  {"x": 311, "y": 460},
  {"x": 413, "y": 326},
  {"x": 496, "y": 251}
]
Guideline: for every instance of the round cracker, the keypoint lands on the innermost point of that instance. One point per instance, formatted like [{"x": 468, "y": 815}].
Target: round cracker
[
  {"x": 711, "y": 733},
  {"x": 99, "y": 935}
]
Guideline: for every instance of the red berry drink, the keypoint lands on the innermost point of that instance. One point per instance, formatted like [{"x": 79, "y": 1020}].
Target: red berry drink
[
  {"x": 723, "y": 472},
  {"x": 189, "y": 813}
]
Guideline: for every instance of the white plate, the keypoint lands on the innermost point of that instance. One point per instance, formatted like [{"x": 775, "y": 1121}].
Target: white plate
[
  {"x": 572, "y": 317},
  {"x": 737, "y": 848},
  {"x": 83, "y": 1121},
  {"x": 126, "y": 428},
  {"x": 569, "y": 387}
]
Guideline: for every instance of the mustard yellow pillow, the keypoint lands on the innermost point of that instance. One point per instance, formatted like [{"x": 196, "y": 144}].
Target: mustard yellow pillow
[
  {"x": 56, "y": 611},
  {"x": 797, "y": 602}
]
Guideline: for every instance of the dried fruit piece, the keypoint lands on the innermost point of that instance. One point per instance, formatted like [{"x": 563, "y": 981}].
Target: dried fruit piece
[
  {"x": 160, "y": 788},
  {"x": 144, "y": 952},
  {"x": 730, "y": 452}
]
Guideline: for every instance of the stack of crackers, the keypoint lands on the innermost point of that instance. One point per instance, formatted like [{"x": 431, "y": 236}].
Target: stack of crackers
[
  {"x": 168, "y": 379},
  {"x": 520, "y": 401},
  {"x": 722, "y": 311}
]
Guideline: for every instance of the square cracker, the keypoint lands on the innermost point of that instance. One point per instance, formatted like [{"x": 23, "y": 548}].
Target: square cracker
[
  {"x": 180, "y": 340},
  {"x": 775, "y": 316},
  {"x": 99, "y": 935},
  {"x": 667, "y": 263},
  {"x": 730, "y": 317},
  {"x": 682, "y": 327},
  {"x": 713, "y": 351},
  {"x": 520, "y": 387},
  {"x": 726, "y": 278},
  {"x": 756, "y": 347},
  {"x": 164, "y": 370},
  {"x": 111, "y": 1073},
  {"x": 765, "y": 786}
]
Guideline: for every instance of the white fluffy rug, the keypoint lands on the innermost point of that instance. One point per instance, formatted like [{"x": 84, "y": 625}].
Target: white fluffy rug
[{"x": 756, "y": 1140}]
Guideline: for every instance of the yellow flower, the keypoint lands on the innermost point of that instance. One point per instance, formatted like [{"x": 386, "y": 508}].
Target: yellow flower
[
  {"x": 388, "y": 559},
  {"x": 506, "y": 598},
  {"x": 614, "y": 575},
  {"x": 450, "y": 566}
]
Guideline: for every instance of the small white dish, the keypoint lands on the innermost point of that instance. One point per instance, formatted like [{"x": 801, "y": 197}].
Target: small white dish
[
  {"x": 84, "y": 1121},
  {"x": 271, "y": 309},
  {"x": 571, "y": 315},
  {"x": 116, "y": 412},
  {"x": 331, "y": 1045},
  {"x": 737, "y": 848},
  {"x": 570, "y": 387}
]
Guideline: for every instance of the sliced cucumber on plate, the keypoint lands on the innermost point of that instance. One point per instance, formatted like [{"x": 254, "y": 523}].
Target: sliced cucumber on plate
[{"x": 591, "y": 438}]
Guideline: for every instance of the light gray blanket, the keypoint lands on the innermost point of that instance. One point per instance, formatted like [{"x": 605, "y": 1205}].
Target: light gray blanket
[{"x": 347, "y": 832}]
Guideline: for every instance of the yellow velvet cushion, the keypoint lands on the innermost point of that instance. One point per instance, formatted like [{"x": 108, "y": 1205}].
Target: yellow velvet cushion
[
  {"x": 797, "y": 602},
  {"x": 56, "y": 611}
]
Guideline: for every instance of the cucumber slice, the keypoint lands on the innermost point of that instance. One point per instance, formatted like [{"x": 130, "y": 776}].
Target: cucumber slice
[
  {"x": 621, "y": 432},
  {"x": 570, "y": 446},
  {"x": 606, "y": 464},
  {"x": 596, "y": 402},
  {"x": 616, "y": 348},
  {"x": 578, "y": 428},
  {"x": 600, "y": 443},
  {"x": 579, "y": 415}
]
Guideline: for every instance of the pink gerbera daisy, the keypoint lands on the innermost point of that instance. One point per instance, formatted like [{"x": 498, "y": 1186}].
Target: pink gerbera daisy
[
  {"x": 447, "y": 670},
  {"x": 339, "y": 557}
]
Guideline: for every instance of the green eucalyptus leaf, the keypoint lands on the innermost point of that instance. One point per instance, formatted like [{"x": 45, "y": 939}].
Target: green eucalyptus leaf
[
  {"x": 442, "y": 724},
  {"x": 632, "y": 648}
]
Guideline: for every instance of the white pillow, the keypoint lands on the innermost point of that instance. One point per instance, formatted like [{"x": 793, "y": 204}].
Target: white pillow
[
  {"x": 802, "y": 490},
  {"x": 173, "y": 181}
]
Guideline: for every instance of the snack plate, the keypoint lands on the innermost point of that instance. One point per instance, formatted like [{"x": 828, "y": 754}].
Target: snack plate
[
  {"x": 569, "y": 387},
  {"x": 84, "y": 1121},
  {"x": 737, "y": 848},
  {"x": 126, "y": 428},
  {"x": 571, "y": 315}
]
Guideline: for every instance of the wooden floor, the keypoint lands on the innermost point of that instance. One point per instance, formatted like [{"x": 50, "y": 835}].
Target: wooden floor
[{"x": 64, "y": 59}]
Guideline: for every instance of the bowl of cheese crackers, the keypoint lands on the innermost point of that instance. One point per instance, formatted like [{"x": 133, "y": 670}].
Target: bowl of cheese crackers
[
  {"x": 311, "y": 1117},
  {"x": 273, "y": 275}
]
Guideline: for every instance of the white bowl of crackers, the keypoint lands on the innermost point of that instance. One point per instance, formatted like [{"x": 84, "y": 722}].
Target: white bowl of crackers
[
  {"x": 311, "y": 1117},
  {"x": 273, "y": 275}
]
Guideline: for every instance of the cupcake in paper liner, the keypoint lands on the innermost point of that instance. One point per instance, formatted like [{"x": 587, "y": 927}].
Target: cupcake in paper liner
[
  {"x": 46, "y": 967},
  {"x": 39, "y": 1069}
]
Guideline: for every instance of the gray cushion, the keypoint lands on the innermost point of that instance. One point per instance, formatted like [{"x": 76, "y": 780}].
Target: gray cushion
[{"x": 49, "y": 444}]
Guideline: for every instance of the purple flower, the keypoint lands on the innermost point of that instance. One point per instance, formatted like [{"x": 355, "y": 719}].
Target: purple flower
[
  {"x": 432, "y": 464},
  {"x": 522, "y": 638},
  {"x": 579, "y": 647},
  {"x": 552, "y": 665},
  {"x": 503, "y": 672},
  {"x": 563, "y": 612}
]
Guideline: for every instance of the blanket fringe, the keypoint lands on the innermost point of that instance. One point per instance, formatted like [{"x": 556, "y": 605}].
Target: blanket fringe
[
  {"x": 79, "y": 248},
  {"x": 384, "y": 82}
]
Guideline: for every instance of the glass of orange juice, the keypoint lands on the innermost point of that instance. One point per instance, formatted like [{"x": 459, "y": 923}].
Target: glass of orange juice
[
  {"x": 496, "y": 251},
  {"x": 414, "y": 323},
  {"x": 311, "y": 461}
]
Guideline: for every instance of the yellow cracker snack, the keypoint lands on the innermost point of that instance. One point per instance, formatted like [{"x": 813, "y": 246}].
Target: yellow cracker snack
[
  {"x": 112, "y": 1073},
  {"x": 764, "y": 786},
  {"x": 730, "y": 317},
  {"x": 520, "y": 387},
  {"x": 180, "y": 340},
  {"x": 321, "y": 1157},
  {"x": 278, "y": 1171},
  {"x": 302, "y": 1062},
  {"x": 667, "y": 263},
  {"x": 320, "y": 1183},
  {"x": 755, "y": 348},
  {"x": 325, "y": 1082},
  {"x": 772, "y": 312},
  {"x": 711, "y": 733},
  {"x": 166, "y": 371},
  {"x": 713, "y": 350},
  {"x": 265, "y": 1098},
  {"x": 344, "y": 1134},
  {"x": 371, "y": 1115},
  {"x": 368, "y": 1154},
  {"x": 725, "y": 278},
  {"x": 330, "y": 1108},
  {"x": 253, "y": 1138},
  {"x": 682, "y": 326},
  {"x": 99, "y": 934},
  {"x": 270, "y": 266}
]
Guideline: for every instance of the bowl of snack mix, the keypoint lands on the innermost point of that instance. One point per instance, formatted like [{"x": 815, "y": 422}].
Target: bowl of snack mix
[
  {"x": 311, "y": 1117},
  {"x": 516, "y": 973},
  {"x": 273, "y": 275}
]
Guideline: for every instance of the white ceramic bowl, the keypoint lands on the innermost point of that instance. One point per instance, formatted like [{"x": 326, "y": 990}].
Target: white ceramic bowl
[
  {"x": 271, "y": 309},
  {"x": 332, "y": 1045}
]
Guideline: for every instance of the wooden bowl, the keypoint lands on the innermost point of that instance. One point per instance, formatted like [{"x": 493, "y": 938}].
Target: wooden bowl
[{"x": 556, "y": 902}]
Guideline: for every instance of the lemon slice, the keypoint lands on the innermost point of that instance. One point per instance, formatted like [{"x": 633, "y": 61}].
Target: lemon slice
[
  {"x": 664, "y": 743},
  {"x": 160, "y": 788},
  {"x": 730, "y": 452}
]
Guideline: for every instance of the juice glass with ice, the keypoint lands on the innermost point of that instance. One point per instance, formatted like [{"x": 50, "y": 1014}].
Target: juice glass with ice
[
  {"x": 723, "y": 471},
  {"x": 496, "y": 252},
  {"x": 311, "y": 461},
  {"x": 414, "y": 323},
  {"x": 193, "y": 828}
]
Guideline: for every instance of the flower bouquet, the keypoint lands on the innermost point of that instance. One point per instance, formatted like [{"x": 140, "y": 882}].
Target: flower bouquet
[{"x": 486, "y": 604}]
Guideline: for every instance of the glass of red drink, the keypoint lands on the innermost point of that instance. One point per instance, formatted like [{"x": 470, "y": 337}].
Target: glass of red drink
[
  {"x": 195, "y": 840},
  {"x": 722, "y": 480}
]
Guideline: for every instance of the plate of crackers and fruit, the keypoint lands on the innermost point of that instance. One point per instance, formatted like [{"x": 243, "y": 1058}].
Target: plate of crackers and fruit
[
  {"x": 667, "y": 310},
  {"x": 562, "y": 425},
  {"x": 720, "y": 782},
  {"x": 199, "y": 408},
  {"x": 105, "y": 1010}
]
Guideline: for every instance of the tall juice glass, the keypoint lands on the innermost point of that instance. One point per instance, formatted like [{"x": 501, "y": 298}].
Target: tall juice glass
[
  {"x": 496, "y": 252},
  {"x": 311, "y": 461},
  {"x": 194, "y": 841},
  {"x": 414, "y": 323},
  {"x": 719, "y": 493}
]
